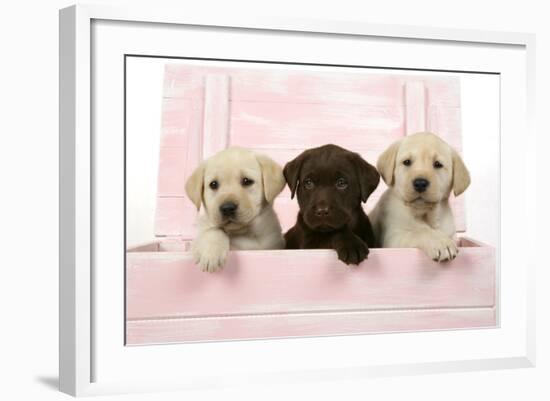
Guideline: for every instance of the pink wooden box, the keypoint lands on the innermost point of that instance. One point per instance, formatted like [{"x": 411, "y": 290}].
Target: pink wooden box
[{"x": 267, "y": 294}]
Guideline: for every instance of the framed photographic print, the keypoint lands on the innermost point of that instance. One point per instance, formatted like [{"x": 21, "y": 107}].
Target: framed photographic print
[{"x": 148, "y": 99}]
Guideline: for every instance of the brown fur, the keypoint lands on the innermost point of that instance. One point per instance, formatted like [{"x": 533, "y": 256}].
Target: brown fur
[{"x": 345, "y": 227}]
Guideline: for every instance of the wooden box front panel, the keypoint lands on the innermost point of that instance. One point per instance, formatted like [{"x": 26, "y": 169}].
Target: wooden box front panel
[{"x": 266, "y": 294}]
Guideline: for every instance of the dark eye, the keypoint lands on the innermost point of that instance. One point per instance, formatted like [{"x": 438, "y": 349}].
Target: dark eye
[
  {"x": 341, "y": 183},
  {"x": 308, "y": 183},
  {"x": 407, "y": 162},
  {"x": 214, "y": 185},
  {"x": 437, "y": 164},
  {"x": 246, "y": 182}
]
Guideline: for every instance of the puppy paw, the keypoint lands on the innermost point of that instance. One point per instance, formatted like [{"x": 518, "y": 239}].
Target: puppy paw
[
  {"x": 210, "y": 258},
  {"x": 352, "y": 251},
  {"x": 441, "y": 249}
]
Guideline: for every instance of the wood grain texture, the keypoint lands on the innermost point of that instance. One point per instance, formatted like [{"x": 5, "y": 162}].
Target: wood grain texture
[
  {"x": 141, "y": 332},
  {"x": 272, "y": 294},
  {"x": 446, "y": 121},
  {"x": 182, "y": 121},
  {"x": 216, "y": 114},
  {"x": 176, "y": 217},
  {"x": 415, "y": 105},
  {"x": 180, "y": 153},
  {"x": 173, "y": 167},
  {"x": 310, "y": 86},
  {"x": 168, "y": 284},
  {"x": 270, "y": 125},
  {"x": 283, "y": 112}
]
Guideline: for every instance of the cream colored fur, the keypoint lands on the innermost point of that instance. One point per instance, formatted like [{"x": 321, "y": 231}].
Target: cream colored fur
[
  {"x": 255, "y": 225},
  {"x": 404, "y": 218}
]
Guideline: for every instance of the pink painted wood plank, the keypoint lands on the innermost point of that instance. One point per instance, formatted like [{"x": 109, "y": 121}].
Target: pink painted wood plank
[
  {"x": 175, "y": 217},
  {"x": 302, "y": 86},
  {"x": 184, "y": 81},
  {"x": 182, "y": 120},
  {"x": 216, "y": 114},
  {"x": 298, "y": 325},
  {"x": 163, "y": 245},
  {"x": 281, "y": 113},
  {"x": 181, "y": 245},
  {"x": 165, "y": 284},
  {"x": 174, "y": 245},
  {"x": 180, "y": 154},
  {"x": 447, "y": 123},
  {"x": 415, "y": 105},
  {"x": 173, "y": 172},
  {"x": 459, "y": 212},
  {"x": 299, "y": 126},
  {"x": 287, "y": 210},
  {"x": 469, "y": 242}
]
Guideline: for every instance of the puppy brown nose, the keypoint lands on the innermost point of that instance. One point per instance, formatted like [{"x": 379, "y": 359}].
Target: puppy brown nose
[
  {"x": 420, "y": 184},
  {"x": 228, "y": 209},
  {"x": 322, "y": 211}
]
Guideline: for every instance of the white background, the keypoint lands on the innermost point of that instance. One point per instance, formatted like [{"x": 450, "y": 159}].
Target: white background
[
  {"x": 480, "y": 130},
  {"x": 28, "y": 162}
]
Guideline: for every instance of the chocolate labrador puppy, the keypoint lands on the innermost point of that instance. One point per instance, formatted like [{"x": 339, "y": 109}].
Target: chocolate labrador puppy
[{"x": 331, "y": 182}]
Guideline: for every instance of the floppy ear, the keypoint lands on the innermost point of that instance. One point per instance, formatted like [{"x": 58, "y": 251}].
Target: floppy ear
[
  {"x": 368, "y": 176},
  {"x": 386, "y": 163},
  {"x": 292, "y": 172},
  {"x": 195, "y": 185},
  {"x": 461, "y": 176},
  {"x": 272, "y": 177}
]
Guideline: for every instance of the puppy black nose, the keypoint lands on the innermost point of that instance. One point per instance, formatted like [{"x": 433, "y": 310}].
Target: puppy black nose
[
  {"x": 322, "y": 211},
  {"x": 420, "y": 184},
  {"x": 228, "y": 209}
]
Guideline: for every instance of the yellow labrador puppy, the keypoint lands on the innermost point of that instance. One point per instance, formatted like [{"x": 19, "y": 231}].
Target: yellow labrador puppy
[
  {"x": 420, "y": 171},
  {"x": 237, "y": 188}
]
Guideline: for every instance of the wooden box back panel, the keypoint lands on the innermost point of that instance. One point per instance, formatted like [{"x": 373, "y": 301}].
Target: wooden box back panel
[
  {"x": 268, "y": 294},
  {"x": 283, "y": 112}
]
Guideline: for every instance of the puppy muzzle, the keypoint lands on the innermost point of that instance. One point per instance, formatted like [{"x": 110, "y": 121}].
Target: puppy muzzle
[
  {"x": 420, "y": 184},
  {"x": 228, "y": 209},
  {"x": 325, "y": 218}
]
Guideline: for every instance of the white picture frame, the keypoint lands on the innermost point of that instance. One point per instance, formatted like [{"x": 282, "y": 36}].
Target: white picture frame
[{"x": 93, "y": 359}]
